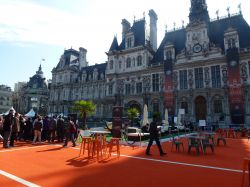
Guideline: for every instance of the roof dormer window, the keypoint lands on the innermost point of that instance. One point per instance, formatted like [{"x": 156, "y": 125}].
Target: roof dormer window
[{"x": 129, "y": 40}]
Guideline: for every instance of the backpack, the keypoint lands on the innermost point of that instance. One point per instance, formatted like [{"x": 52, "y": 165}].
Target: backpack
[{"x": 72, "y": 127}]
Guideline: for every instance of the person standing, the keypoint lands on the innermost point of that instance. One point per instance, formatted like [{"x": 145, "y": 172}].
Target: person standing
[
  {"x": 70, "y": 132},
  {"x": 15, "y": 129},
  {"x": 38, "y": 129},
  {"x": 154, "y": 136},
  {"x": 59, "y": 129},
  {"x": 52, "y": 129},
  {"x": 7, "y": 126},
  {"x": 45, "y": 131}
]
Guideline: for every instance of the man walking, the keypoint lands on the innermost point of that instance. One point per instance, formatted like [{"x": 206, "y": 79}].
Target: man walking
[
  {"x": 154, "y": 131},
  {"x": 70, "y": 132},
  {"x": 7, "y": 126}
]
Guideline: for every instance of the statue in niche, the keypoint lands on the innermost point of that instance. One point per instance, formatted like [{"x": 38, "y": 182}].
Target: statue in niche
[
  {"x": 244, "y": 72},
  {"x": 190, "y": 77}
]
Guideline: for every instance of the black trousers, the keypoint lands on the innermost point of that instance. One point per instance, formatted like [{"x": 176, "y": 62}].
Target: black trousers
[{"x": 156, "y": 139}]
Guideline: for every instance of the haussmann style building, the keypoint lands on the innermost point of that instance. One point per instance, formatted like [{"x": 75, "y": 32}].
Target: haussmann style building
[{"x": 203, "y": 67}]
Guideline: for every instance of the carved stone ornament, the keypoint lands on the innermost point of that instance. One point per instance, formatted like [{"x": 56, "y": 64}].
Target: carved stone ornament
[
  {"x": 243, "y": 72},
  {"x": 190, "y": 78}
]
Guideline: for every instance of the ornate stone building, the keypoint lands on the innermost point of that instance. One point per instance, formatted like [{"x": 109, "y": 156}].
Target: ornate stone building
[
  {"x": 34, "y": 94},
  {"x": 203, "y": 68},
  {"x": 5, "y": 98}
]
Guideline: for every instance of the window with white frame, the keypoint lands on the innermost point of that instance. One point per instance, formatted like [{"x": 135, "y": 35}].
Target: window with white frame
[
  {"x": 129, "y": 42},
  {"x": 216, "y": 77},
  {"x": 110, "y": 89},
  {"x": 139, "y": 60},
  {"x": 127, "y": 89},
  {"x": 155, "y": 82},
  {"x": 128, "y": 63},
  {"x": 138, "y": 87},
  {"x": 217, "y": 106},
  {"x": 199, "y": 83},
  {"x": 111, "y": 64},
  {"x": 231, "y": 43},
  {"x": 183, "y": 79}
]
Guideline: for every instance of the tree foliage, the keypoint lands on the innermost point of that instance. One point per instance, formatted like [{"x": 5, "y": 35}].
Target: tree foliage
[{"x": 84, "y": 108}]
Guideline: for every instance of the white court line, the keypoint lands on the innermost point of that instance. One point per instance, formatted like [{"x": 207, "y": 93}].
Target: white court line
[
  {"x": 176, "y": 163},
  {"x": 149, "y": 159},
  {"x": 17, "y": 179},
  {"x": 13, "y": 149},
  {"x": 183, "y": 163}
]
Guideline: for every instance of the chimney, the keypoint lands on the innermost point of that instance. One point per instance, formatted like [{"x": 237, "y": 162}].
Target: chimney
[
  {"x": 125, "y": 27},
  {"x": 153, "y": 29},
  {"x": 82, "y": 57}
]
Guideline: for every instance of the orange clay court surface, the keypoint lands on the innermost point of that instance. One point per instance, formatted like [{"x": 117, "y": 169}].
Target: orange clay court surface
[{"x": 50, "y": 165}]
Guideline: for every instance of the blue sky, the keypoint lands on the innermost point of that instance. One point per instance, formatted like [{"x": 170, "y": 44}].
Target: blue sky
[{"x": 31, "y": 30}]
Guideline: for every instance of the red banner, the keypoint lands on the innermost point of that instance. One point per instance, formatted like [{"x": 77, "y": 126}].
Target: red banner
[
  {"x": 169, "y": 91},
  {"x": 235, "y": 88}
]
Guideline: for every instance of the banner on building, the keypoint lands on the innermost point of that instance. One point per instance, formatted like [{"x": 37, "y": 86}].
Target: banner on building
[
  {"x": 235, "y": 88},
  {"x": 169, "y": 89}
]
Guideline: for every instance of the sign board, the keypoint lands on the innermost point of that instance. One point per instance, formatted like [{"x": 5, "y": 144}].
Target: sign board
[
  {"x": 175, "y": 119},
  {"x": 202, "y": 123},
  {"x": 182, "y": 111}
]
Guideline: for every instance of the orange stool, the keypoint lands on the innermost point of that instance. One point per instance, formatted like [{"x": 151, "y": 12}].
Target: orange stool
[
  {"x": 246, "y": 166},
  {"x": 231, "y": 133},
  {"x": 98, "y": 145},
  {"x": 114, "y": 142},
  {"x": 88, "y": 141}
]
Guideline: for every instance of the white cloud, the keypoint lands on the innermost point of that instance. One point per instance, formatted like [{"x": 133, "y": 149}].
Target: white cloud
[{"x": 24, "y": 22}]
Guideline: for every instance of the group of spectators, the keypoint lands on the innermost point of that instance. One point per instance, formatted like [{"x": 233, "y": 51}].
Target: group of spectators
[{"x": 15, "y": 127}]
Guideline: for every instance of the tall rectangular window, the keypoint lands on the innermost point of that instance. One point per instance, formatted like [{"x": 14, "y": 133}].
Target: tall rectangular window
[
  {"x": 216, "y": 77},
  {"x": 127, "y": 89},
  {"x": 110, "y": 89},
  {"x": 217, "y": 106},
  {"x": 183, "y": 79},
  {"x": 199, "y": 83},
  {"x": 138, "y": 87},
  {"x": 155, "y": 82}
]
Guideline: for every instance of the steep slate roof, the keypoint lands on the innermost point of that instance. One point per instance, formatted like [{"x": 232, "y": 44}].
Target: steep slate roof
[
  {"x": 218, "y": 27},
  {"x": 101, "y": 68},
  {"x": 177, "y": 38},
  {"x": 138, "y": 30},
  {"x": 216, "y": 35},
  {"x": 114, "y": 46}
]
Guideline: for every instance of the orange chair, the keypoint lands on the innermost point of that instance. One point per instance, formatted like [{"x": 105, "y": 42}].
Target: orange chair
[
  {"x": 114, "y": 142},
  {"x": 246, "y": 166},
  {"x": 231, "y": 133}
]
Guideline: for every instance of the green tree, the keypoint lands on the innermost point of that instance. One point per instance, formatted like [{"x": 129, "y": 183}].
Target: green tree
[
  {"x": 85, "y": 108},
  {"x": 132, "y": 114}
]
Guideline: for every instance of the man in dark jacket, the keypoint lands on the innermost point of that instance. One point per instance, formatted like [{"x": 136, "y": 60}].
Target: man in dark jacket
[
  {"x": 154, "y": 135},
  {"x": 7, "y": 126},
  {"x": 70, "y": 132}
]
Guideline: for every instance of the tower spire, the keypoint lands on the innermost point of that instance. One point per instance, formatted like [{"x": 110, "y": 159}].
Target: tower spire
[{"x": 198, "y": 11}]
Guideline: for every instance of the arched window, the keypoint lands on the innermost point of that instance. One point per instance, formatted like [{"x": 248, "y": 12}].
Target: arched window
[
  {"x": 139, "y": 60},
  {"x": 184, "y": 105},
  {"x": 217, "y": 106},
  {"x": 128, "y": 63}
]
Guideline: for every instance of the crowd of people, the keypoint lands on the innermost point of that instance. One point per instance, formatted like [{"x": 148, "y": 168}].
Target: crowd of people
[{"x": 38, "y": 129}]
